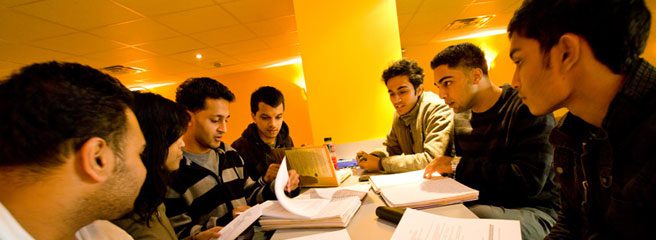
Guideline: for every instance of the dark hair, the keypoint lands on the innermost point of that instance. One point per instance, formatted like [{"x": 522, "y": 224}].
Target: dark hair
[
  {"x": 193, "y": 92},
  {"x": 464, "y": 54},
  {"x": 50, "y": 109},
  {"x": 162, "y": 122},
  {"x": 617, "y": 30},
  {"x": 405, "y": 67},
  {"x": 268, "y": 95}
]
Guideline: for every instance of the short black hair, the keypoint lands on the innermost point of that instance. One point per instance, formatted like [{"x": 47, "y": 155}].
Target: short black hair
[
  {"x": 268, "y": 95},
  {"x": 162, "y": 122},
  {"x": 617, "y": 30},
  {"x": 51, "y": 109},
  {"x": 405, "y": 67},
  {"x": 459, "y": 55},
  {"x": 193, "y": 92}
]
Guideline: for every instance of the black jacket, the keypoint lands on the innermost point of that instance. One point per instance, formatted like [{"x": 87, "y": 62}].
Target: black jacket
[
  {"x": 608, "y": 174},
  {"x": 258, "y": 155},
  {"x": 506, "y": 155}
]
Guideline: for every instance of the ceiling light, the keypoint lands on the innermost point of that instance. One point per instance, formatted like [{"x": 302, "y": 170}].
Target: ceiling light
[
  {"x": 120, "y": 69},
  {"x": 199, "y": 56}
]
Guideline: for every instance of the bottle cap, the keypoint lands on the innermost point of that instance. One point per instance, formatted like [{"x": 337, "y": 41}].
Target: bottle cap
[{"x": 326, "y": 139}]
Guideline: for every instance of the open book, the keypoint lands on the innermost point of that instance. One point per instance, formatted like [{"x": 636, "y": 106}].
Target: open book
[
  {"x": 412, "y": 190},
  {"x": 306, "y": 212}
]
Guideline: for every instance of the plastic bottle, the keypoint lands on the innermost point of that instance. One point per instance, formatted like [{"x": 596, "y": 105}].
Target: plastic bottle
[{"x": 328, "y": 141}]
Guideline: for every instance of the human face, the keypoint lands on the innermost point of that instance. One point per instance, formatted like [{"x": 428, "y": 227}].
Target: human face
[
  {"x": 174, "y": 156},
  {"x": 268, "y": 120},
  {"x": 455, "y": 86},
  {"x": 402, "y": 94},
  {"x": 209, "y": 124},
  {"x": 123, "y": 186},
  {"x": 542, "y": 88}
]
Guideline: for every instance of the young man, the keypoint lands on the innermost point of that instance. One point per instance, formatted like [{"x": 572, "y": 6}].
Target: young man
[
  {"x": 267, "y": 132},
  {"x": 421, "y": 127},
  {"x": 584, "y": 55},
  {"x": 211, "y": 184},
  {"x": 70, "y": 151},
  {"x": 504, "y": 150}
]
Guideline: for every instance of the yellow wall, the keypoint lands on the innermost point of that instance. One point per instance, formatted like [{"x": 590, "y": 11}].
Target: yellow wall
[
  {"x": 345, "y": 46},
  {"x": 243, "y": 84}
]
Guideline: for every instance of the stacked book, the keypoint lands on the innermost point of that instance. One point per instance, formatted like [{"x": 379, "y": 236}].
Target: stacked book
[{"x": 411, "y": 189}]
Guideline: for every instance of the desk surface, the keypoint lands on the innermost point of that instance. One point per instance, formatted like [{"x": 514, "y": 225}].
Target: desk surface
[{"x": 366, "y": 225}]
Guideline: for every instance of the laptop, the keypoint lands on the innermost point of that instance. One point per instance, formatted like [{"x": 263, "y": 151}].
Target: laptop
[{"x": 314, "y": 166}]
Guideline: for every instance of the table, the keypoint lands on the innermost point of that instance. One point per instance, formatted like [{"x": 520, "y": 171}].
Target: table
[{"x": 366, "y": 225}]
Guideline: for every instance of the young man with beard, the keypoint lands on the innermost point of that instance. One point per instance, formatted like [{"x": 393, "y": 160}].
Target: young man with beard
[
  {"x": 505, "y": 152},
  {"x": 70, "y": 150}
]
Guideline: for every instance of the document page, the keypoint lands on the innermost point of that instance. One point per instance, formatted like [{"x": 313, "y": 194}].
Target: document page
[
  {"x": 381, "y": 181},
  {"x": 443, "y": 190},
  {"x": 240, "y": 223},
  {"x": 301, "y": 207},
  {"x": 360, "y": 190},
  {"x": 417, "y": 225}
]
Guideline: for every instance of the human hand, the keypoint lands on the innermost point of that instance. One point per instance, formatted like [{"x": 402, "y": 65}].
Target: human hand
[
  {"x": 238, "y": 210},
  {"x": 368, "y": 162},
  {"x": 271, "y": 173},
  {"x": 441, "y": 165},
  {"x": 294, "y": 179},
  {"x": 208, "y": 234}
]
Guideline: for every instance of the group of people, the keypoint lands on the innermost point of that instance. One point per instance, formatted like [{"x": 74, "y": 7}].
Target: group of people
[{"x": 77, "y": 148}]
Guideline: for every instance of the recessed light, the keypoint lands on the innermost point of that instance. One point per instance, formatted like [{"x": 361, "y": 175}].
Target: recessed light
[{"x": 199, "y": 56}]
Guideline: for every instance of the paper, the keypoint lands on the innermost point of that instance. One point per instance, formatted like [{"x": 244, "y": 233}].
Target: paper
[
  {"x": 429, "y": 192},
  {"x": 359, "y": 190},
  {"x": 417, "y": 225},
  {"x": 301, "y": 207},
  {"x": 382, "y": 181},
  {"x": 332, "y": 235},
  {"x": 333, "y": 208},
  {"x": 240, "y": 223}
]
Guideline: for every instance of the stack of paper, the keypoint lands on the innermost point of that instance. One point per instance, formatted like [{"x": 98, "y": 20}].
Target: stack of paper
[
  {"x": 359, "y": 190},
  {"x": 420, "y": 225},
  {"x": 306, "y": 212},
  {"x": 337, "y": 213},
  {"x": 412, "y": 190}
]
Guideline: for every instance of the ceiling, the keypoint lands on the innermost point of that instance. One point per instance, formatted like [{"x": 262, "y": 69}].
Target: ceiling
[{"x": 163, "y": 37}]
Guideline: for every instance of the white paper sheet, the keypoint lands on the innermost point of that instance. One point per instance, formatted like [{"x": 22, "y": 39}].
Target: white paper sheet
[
  {"x": 332, "y": 235},
  {"x": 416, "y": 225},
  {"x": 240, "y": 223},
  {"x": 302, "y": 207},
  {"x": 359, "y": 190}
]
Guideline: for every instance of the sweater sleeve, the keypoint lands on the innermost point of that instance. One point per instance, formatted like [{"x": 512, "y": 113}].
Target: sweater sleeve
[
  {"x": 438, "y": 124},
  {"x": 522, "y": 168}
]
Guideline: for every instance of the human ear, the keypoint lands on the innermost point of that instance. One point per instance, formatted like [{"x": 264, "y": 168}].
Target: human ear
[
  {"x": 568, "y": 50},
  {"x": 95, "y": 160},
  {"x": 477, "y": 74}
]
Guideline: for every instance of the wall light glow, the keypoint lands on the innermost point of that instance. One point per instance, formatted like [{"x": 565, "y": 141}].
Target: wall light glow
[
  {"x": 490, "y": 55},
  {"x": 295, "y": 60},
  {"x": 485, "y": 33}
]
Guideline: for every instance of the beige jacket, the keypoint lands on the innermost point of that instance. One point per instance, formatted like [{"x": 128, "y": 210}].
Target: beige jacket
[{"x": 431, "y": 123}]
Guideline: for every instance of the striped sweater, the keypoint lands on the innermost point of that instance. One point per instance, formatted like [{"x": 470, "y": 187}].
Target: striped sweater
[{"x": 199, "y": 199}]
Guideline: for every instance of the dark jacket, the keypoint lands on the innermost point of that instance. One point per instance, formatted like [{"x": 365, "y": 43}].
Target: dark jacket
[
  {"x": 258, "y": 155},
  {"x": 506, "y": 155},
  {"x": 608, "y": 174}
]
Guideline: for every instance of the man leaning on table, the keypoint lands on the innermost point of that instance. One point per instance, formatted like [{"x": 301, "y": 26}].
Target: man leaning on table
[
  {"x": 505, "y": 153},
  {"x": 421, "y": 127}
]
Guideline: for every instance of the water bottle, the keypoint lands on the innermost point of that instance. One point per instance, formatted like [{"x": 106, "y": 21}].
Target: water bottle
[{"x": 328, "y": 141}]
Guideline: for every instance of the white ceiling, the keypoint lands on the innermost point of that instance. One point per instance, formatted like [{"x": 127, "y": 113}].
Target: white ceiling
[{"x": 163, "y": 37}]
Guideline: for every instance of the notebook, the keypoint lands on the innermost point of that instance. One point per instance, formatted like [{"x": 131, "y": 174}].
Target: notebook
[
  {"x": 314, "y": 166},
  {"x": 412, "y": 190}
]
